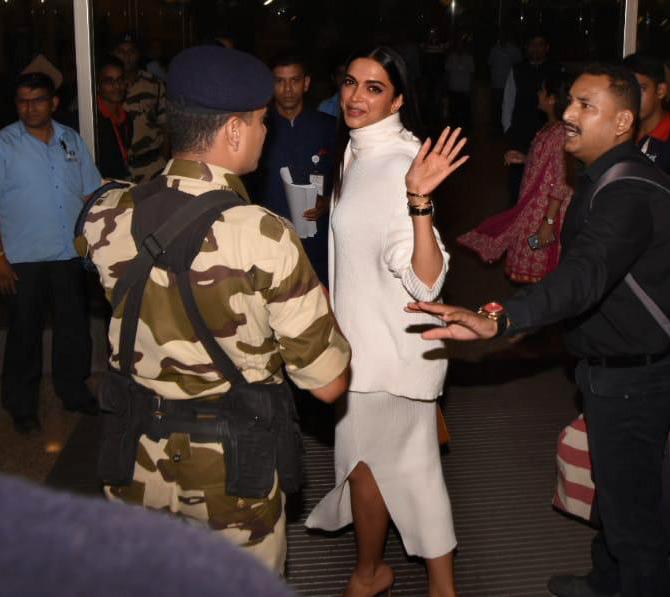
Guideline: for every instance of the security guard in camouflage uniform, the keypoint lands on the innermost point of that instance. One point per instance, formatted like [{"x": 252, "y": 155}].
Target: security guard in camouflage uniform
[
  {"x": 145, "y": 103},
  {"x": 253, "y": 285}
]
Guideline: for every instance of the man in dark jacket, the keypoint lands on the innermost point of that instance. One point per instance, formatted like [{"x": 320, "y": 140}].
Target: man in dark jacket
[
  {"x": 303, "y": 140},
  {"x": 521, "y": 117},
  {"x": 612, "y": 286}
]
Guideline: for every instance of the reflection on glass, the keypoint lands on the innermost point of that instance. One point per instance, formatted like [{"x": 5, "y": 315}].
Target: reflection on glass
[
  {"x": 38, "y": 35},
  {"x": 579, "y": 31},
  {"x": 653, "y": 28}
]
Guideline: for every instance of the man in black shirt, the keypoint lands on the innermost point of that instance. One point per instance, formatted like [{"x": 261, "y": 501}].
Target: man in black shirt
[{"x": 624, "y": 368}]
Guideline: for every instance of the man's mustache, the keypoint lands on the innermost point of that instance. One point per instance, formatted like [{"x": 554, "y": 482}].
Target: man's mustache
[{"x": 571, "y": 128}]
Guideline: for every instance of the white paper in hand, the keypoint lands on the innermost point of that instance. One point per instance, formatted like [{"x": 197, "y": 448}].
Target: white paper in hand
[{"x": 300, "y": 197}]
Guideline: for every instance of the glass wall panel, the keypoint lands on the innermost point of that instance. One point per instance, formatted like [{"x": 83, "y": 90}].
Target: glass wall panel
[
  {"x": 162, "y": 27},
  {"x": 579, "y": 30},
  {"x": 28, "y": 29},
  {"x": 653, "y": 28}
]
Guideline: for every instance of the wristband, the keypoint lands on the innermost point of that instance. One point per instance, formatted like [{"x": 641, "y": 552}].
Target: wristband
[
  {"x": 550, "y": 221},
  {"x": 423, "y": 210}
]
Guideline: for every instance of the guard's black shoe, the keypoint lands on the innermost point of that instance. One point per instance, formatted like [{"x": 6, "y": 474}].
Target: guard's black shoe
[
  {"x": 27, "y": 425},
  {"x": 569, "y": 585}
]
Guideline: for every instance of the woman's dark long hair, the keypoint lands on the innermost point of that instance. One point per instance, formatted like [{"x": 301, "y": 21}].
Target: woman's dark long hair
[
  {"x": 557, "y": 82},
  {"x": 402, "y": 82}
]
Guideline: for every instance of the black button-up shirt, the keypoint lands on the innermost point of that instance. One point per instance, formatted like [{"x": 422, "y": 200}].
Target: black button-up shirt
[{"x": 628, "y": 229}]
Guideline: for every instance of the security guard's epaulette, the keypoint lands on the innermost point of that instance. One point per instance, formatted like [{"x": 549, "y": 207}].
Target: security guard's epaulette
[{"x": 80, "y": 244}]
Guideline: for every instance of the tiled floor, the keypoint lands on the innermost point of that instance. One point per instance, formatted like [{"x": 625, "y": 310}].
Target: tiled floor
[{"x": 34, "y": 457}]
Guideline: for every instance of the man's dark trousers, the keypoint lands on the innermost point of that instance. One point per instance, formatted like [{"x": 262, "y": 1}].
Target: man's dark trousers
[
  {"x": 627, "y": 411},
  {"x": 61, "y": 285}
]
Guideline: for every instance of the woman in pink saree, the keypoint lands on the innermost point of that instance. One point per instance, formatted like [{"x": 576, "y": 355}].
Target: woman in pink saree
[{"x": 530, "y": 231}]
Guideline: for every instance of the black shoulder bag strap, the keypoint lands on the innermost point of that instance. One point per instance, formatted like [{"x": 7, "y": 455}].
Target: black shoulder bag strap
[
  {"x": 630, "y": 170},
  {"x": 81, "y": 218},
  {"x": 95, "y": 195},
  {"x": 220, "y": 359},
  {"x": 636, "y": 171},
  {"x": 133, "y": 281}
]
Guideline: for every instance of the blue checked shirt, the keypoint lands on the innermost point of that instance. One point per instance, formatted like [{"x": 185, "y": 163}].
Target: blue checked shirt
[{"x": 41, "y": 191}]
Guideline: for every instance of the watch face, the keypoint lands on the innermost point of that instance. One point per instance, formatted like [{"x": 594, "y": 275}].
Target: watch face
[{"x": 493, "y": 308}]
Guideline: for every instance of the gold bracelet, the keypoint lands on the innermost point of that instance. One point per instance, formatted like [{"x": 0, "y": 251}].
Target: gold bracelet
[
  {"x": 417, "y": 195},
  {"x": 424, "y": 204}
]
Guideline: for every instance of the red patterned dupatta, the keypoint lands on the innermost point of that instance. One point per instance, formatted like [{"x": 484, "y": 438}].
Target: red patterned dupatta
[{"x": 544, "y": 178}]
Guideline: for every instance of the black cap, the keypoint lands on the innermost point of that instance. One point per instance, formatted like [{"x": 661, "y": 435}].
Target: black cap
[{"x": 216, "y": 79}]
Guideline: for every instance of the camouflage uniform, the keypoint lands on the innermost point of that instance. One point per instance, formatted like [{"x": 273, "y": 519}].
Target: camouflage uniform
[
  {"x": 260, "y": 297},
  {"x": 145, "y": 103}
]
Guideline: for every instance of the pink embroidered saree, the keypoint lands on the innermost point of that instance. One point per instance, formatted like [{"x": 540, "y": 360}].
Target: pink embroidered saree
[{"x": 544, "y": 178}]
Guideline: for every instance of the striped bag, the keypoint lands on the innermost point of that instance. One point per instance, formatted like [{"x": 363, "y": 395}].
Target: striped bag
[
  {"x": 575, "y": 491},
  {"x": 574, "y": 488}
]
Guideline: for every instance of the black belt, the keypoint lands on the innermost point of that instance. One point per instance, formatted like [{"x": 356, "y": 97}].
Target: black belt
[
  {"x": 203, "y": 420},
  {"x": 629, "y": 360}
]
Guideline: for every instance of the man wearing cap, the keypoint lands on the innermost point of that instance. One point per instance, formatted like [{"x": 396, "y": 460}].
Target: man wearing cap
[
  {"x": 145, "y": 104},
  {"x": 46, "y": 171},
  {"x": 252, "y": 282}
]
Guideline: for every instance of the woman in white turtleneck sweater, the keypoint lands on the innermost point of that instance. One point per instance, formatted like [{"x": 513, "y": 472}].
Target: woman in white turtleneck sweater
[{"x": 385, "y": 253}]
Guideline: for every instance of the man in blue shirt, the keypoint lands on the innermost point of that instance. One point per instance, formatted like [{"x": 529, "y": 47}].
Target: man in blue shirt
[
  {"x": 331, "y": 105},
  {"x": 303, "y": 140},
  {"x": 45, "y": 173}
]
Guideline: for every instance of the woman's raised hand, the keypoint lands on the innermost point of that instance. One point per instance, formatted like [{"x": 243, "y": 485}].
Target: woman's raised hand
[{"x": 431, "y": 167}]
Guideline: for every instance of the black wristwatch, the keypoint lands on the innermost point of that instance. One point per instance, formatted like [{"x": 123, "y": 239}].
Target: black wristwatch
[{"x": 496, "y": 312}]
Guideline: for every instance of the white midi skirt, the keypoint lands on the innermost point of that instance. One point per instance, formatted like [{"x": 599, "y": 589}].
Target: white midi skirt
[{"x": 397, "y": 438}]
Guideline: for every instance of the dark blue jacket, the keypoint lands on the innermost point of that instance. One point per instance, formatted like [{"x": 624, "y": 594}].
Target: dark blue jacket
[{"x": 299, "y": 144}]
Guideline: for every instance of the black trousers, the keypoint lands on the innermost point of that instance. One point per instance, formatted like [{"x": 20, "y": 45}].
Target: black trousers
[
  {"x": 496, "y": 109},
  {"x": 59, "y": 285},
  {"x": 628, "y": 416}
]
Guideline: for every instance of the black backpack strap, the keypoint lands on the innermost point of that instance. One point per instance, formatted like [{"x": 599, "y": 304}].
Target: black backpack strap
[
  {"x": 635, "y": 170},
  {"x": 133, "y": 281},
  {"x": 631, "y": 170},
  {"x": 129, "y": 322},
  {"x": 220, "y": 359},
  {"x": 81, "y": 218},
  {"x": 155, "y": 244}
]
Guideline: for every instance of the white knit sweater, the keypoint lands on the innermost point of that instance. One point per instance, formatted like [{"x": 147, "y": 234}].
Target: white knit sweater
[{"x": 370, "y": 272}]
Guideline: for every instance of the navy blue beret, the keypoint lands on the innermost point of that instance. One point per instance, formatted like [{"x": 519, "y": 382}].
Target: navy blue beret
[{"x": 216, "y": 79}]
